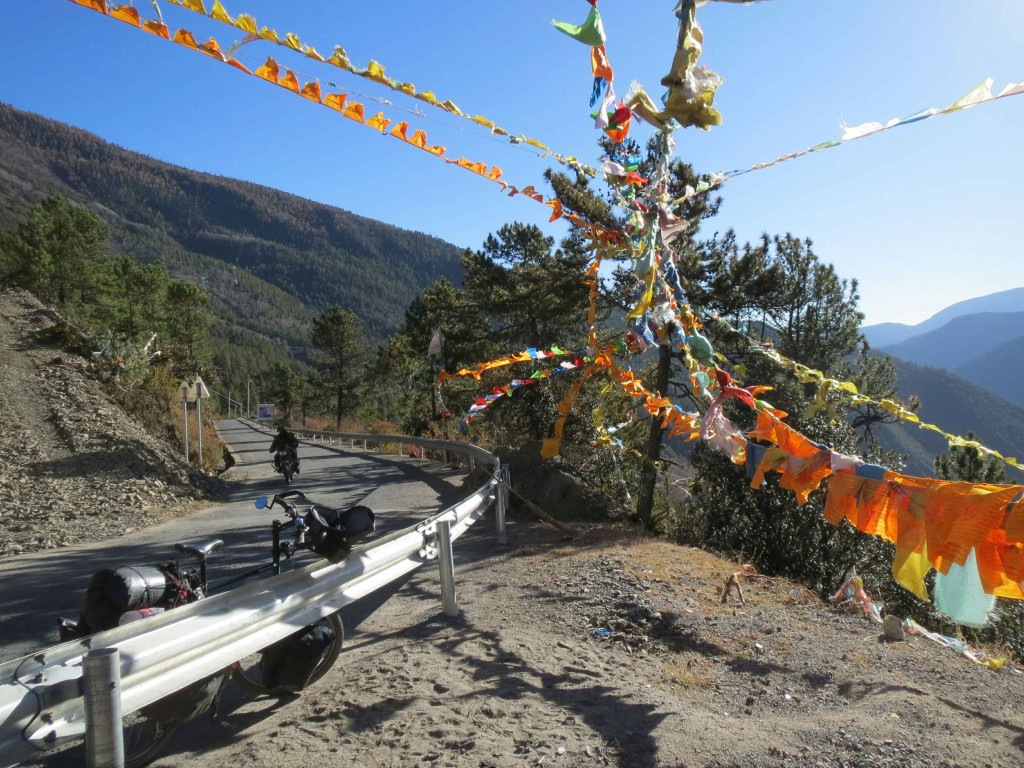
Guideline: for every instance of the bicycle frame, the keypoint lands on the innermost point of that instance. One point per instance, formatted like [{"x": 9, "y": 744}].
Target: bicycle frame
[{"x": 273, "y": 568}]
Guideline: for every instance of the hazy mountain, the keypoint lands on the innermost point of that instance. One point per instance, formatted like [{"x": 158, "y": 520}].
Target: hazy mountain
[
  {"x": 884, "y": 334},
  {"x": 957, "y": 406},
  {"x": 1000, "y": 370},
  {"x": 961, "y": 339},
  {"x": 981, "y": 339},
  {"x": 271, "y": 260}
]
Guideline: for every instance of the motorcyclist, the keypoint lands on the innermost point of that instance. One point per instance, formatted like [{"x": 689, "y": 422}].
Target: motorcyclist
[{"x": 287, "y": 441}]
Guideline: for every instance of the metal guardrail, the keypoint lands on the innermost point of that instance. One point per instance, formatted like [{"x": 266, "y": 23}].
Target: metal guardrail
[
  {"x": 377, "y": 441},
  {"x": 41, "y": 695}
]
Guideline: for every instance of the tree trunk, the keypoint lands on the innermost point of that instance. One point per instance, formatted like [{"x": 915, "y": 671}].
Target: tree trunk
[{"x": 649, "y": 478}]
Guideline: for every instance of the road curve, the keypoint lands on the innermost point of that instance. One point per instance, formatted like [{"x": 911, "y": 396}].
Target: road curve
[{"x": 37, "y": 588}]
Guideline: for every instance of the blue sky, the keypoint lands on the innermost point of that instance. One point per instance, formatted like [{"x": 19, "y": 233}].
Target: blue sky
[{"x": 923, "y": 215}]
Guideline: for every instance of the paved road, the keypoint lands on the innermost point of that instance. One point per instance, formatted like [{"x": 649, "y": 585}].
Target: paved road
[{"x": 35, "y": 589}]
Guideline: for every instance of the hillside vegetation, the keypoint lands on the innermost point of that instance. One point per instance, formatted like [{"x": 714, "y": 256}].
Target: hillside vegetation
[{"x": 270, "y": 260}]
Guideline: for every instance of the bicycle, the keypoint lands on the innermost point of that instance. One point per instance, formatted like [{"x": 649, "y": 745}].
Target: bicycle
[{"x": 321, "y": 530}]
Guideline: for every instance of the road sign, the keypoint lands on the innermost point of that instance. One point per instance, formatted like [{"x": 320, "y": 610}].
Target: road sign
[
  {"x": 200, "y": 389},
  {"x": 265, "y": 411}
]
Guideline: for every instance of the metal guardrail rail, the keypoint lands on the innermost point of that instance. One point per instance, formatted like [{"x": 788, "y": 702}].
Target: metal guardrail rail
[
  {"x": 377, "y": 441},
  {"x": 41, "y": 695}
]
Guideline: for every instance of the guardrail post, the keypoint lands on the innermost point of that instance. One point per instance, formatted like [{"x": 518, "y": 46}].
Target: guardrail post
[
  {"x": 104, "y": 741},
  {"x": 446, "y": 562},
  {"x": 502, "y": 500},
  {"x": 444, "y": 458},
  {"x": 401, "y": 448},
  {"x": 472, "y": 463}
]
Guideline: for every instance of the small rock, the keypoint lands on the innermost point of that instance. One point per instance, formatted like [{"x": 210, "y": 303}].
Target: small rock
[{"x": 892, "y": 629}]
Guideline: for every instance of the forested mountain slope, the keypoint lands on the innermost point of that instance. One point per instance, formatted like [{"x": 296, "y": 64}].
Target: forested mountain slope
[
  {"x": 957, "y": 406},
  {"x": 263, "y": 254}
]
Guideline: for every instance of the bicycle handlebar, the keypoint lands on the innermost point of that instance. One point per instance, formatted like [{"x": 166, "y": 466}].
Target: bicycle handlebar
[{"x": 283, "y": 500}]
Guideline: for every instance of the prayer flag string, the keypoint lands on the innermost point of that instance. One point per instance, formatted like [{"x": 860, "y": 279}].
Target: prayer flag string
[
  {"x": 374, "y": 71},
  {"x": 353, "y": 110}
]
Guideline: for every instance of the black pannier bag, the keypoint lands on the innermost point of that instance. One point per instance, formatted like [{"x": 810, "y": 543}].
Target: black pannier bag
[
  {"x": 112, "y": 593},
  {"x": 288, "y": 664},
  {"x": 189, "y": 702},
  {"x": 332, "y": 532}
]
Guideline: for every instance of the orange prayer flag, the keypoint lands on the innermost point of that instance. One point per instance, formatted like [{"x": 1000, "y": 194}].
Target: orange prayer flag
[
  {"x": 269, "y": 71},
  {"x": 289, "y": 81},
  {"x": 400, "y": 130},
  {"x": 239, "y": 65},
  {"x": 379, "y": 122},
  {"x": 127, "y": 14},
  {"x": 419, "y": 138},
  {"x": 979, "y": 510},
  {"x": 495, "y": 173},
  {"x": 599, "y": 63},
  {"x": 436, "y": 150},
  {"x": 96, "y": 5},
  {"x": 354, "y": 111},
  {"x": 336, "y": 101},
  {"x": 999, "y": 565},
  {"x": 157, "y": 28},
  {"x": 311, "y": 91},
  {"x": 184, "y": 37},
  {"x": 211, "y": 48}
]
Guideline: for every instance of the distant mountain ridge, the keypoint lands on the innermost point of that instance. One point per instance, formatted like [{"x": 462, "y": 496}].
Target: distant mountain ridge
[
  {"x": 980, "y": 340},
  {"x": 271, "y": 260},
  {"x": 885, "y": 334},
  {"x": 960, "y": 340}
]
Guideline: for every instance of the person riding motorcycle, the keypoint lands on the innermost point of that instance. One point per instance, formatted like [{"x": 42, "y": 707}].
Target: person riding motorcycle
[{"x": 285, "y": 440}]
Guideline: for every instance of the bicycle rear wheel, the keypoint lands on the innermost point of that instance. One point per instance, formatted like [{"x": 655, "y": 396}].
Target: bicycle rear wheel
[
  {"x": 144, "y": 738},
  {"x": 249, "y": 674}
]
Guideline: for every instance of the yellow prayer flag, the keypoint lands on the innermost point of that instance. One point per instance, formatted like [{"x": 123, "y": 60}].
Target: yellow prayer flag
[{"x": 220, "y": 13}]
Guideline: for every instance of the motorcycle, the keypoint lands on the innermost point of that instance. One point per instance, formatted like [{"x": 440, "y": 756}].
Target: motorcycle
[{"x": 286, "y": 462}]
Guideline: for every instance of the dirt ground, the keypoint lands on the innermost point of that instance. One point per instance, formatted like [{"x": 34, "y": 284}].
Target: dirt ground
[{"x": 613, "y": 650}]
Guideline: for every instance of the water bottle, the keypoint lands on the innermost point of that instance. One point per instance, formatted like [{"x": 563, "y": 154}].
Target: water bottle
[{"x": 141, "y": 613}]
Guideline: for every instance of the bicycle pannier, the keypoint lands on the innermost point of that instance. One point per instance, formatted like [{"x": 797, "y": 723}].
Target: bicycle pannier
[
  {"x": 289, "y": 663},
  {"x": 332, "y": 532},
  {"x": 112, "y": 593},
  {"x": 189, "y": 702}
]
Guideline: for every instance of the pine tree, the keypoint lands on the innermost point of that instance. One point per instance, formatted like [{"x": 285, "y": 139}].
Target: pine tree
[
  {"x": 340, "y": 356},
  {"x": 60, "y": 254},
  {"x": 188, "y": 322},
  {"x": 966, "y": 463}
]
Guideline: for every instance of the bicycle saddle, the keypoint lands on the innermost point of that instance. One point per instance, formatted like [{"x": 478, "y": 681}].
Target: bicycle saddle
[{"x": 200, "y": 551}]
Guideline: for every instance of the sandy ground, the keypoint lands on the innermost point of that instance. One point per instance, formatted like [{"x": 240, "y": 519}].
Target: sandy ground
[{"x": 613, "y": 650}]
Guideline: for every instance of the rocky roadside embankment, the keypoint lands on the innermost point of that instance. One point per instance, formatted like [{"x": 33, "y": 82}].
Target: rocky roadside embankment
[{"x": 73, "y": 466}]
